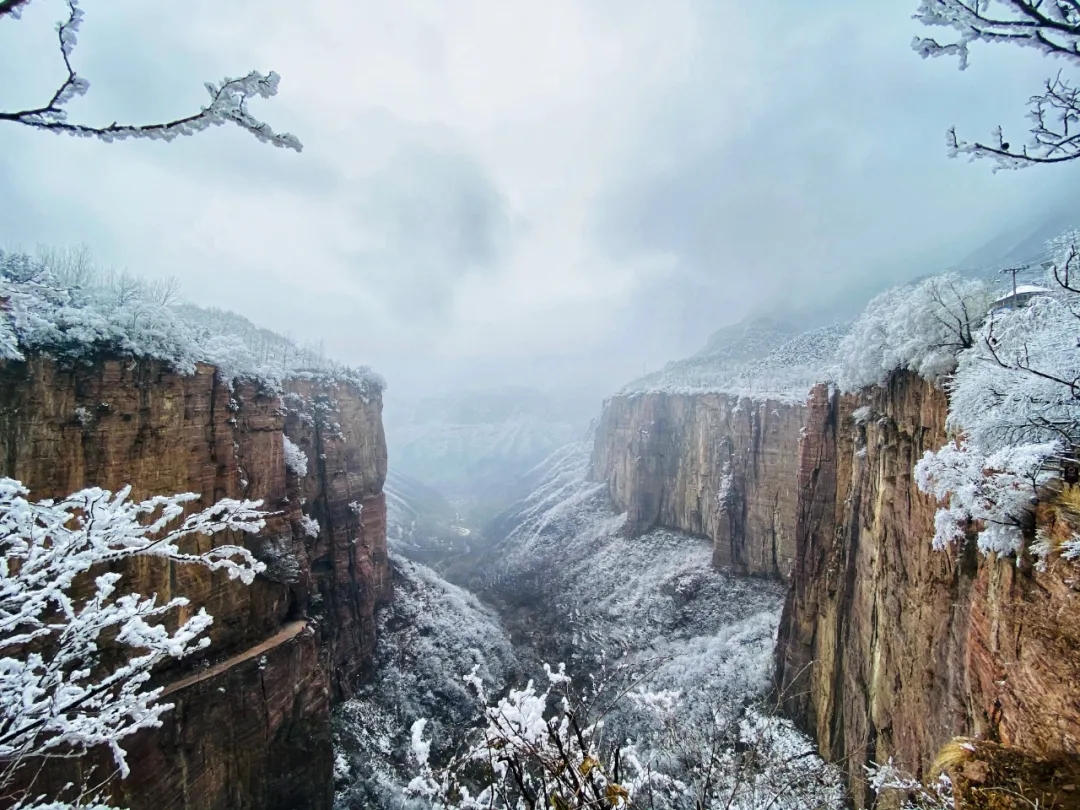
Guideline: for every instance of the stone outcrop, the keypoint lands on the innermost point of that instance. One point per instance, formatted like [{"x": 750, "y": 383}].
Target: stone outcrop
[
  {"x": 888, "y": 648},
  {"x": 341, "y": 433},
  {"x": 253, "y": 731},
  {"x": 707, "y": 464}
]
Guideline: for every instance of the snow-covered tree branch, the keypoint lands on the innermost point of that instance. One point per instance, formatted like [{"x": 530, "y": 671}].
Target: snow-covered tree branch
[
  {"x": 62, "y": 692},
  {"x": 228, "y": 99},
  {"x": 1014, "y": 403},
  {"x": 1050, "y": 26},
  {"x": 551, "y": 748},
  {"x": 921, "y": 328}
]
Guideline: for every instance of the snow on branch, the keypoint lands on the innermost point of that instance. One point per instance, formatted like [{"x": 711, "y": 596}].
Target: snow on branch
[
  {"x": 922, "y": 328},
  {"x": 296, "y": 460},
  {"x": 61, "y": 595},
  {"x": 1050, "y": 26},
  {"x": 994, "y": 491},
  {"x": 228, "y": 99}
]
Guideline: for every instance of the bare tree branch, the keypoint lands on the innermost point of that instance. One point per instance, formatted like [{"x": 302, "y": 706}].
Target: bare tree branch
[
  {"x": 228, "y": 99},
  {"x": 1051, "y": 27}
]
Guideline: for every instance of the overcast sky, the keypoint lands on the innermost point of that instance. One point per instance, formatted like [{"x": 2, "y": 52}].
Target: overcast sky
[{"x": 556, "y": 193}]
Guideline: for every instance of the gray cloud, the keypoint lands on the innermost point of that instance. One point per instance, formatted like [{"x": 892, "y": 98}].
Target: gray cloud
[
  {"x": 430, "y": 216},
  {"x": 554, "y": 194}
]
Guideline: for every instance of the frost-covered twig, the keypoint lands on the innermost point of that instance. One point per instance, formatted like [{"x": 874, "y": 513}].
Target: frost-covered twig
[
  {"x": 60, "y": 599},
  {"x": 228, "y": 100},
  {"x": 1050, "y": 27}
]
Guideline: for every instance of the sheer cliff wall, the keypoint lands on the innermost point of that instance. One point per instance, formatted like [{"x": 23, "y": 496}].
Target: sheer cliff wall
[
  {"x": 707, "y": 464},
  {"x": 250, "y": 727},
  {"x": 888, "y": 648}
]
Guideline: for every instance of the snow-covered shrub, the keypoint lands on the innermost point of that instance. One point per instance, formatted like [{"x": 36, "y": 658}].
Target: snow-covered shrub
[
  {"x": 60, "y": 693},
  {"x": 75, "y": 316},
  {"x": 1015, "y": 401},
  {"x": 309, "y": 525},
  {"x": 296, "y": 460},
  {"x": 554, "y": 747},
  {"x": 998, "y": 490},
  {"x": 920, "y": 327},
  {"x": 1018, "y": 383},
  {"x": 910, "y": 794}
]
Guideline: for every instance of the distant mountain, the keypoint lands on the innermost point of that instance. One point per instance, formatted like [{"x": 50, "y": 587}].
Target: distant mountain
[
  {"x": 781, "y": 353},
  {"x": 474, "y": 446},
  {"x": 1018, "y": 245}
]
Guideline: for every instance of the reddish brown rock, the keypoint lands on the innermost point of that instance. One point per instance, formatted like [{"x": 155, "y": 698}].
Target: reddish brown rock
[
  {"x": 340, "y": 429},
  {"x": 666, "y": 457},
  {"x": 256, "y": 733},
  {"x": 888, "y": 648}
]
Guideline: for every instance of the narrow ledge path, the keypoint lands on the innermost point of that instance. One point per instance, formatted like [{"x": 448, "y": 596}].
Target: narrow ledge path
[{"x": 286, "y": 633}]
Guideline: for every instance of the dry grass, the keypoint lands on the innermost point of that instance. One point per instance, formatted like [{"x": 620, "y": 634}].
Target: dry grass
[{"x": 990, "y": 776}]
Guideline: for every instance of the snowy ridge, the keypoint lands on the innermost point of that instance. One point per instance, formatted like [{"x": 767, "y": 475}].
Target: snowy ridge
[
  {"x": 76, "y": 314},
  {"x": 765, "y": 363}
]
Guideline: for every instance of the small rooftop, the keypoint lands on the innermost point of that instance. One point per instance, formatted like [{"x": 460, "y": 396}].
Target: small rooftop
[{"x": 1023, "y": 291}]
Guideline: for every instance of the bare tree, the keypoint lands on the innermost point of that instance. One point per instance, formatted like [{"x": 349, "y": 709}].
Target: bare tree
[
  {"x": 1050, "y": 26},
  {"x": 73, "y": 266},
  {"x": 165, "y": 292},
  {"x": 228, "y": 98}
]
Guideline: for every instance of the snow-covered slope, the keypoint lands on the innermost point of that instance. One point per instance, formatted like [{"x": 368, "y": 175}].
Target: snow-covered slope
[
  {"x": 761, "y": 358},
  {"x": 568, "y": 587},
  {"x": 428, "y": 638},
  {"x": 653, "y": 607}
]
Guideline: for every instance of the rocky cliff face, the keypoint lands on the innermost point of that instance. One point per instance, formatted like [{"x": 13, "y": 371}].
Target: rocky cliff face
[
  {"x": 251, "y": 723},
  {"x": 341, "y": 432},
  {"x": 706, "y": 464},
  {"x": 888, "y": 648}
]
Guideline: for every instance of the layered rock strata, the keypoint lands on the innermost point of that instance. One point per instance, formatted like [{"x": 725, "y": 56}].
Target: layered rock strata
[
  {"x": 712, "y": 465},
  {"x": 888, "y": 648}
]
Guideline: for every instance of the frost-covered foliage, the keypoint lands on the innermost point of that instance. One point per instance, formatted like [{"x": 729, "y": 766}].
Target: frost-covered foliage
[
  {"x": 1018, "y": 384},
  {"x": 61, "y": 599},
  {"x": 887, "y": 780},
  {"x": 1015, "y": 403},
  {"x": 431, "y": 635},
  {"x": 556, "y": 747},
  {"x": 920, "y": 327},
  {"x": 765, "y": 361},
  {"x": 78, "y": 312},
  {"x": 228, "y": 99},
  {"x": 533, "y": 752},
  {"x": 296, "y": 460},
  {"x": 309, "y": 525},
  {"x": 1050, "y": 27},
  {"x": 998, "y": 490}
]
